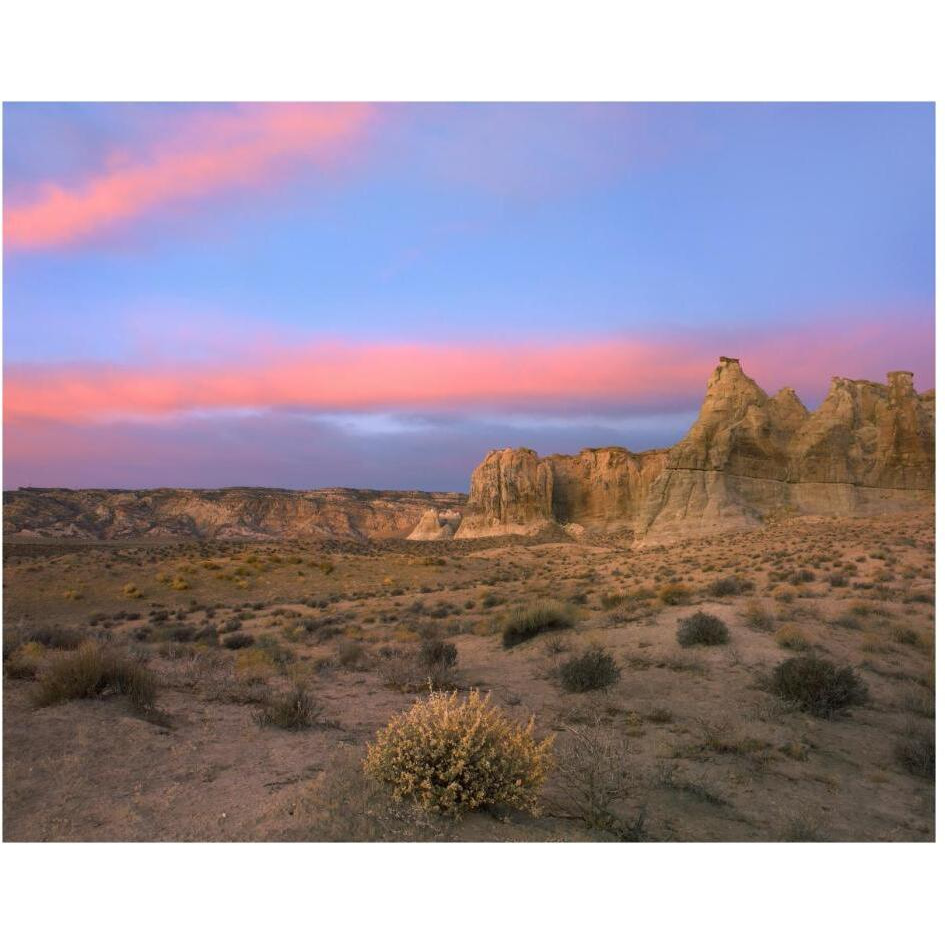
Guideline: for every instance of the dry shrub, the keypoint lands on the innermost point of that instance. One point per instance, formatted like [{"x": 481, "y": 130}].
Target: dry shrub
[
  {"x": 675, "y": 594},
  {"x": 729, "y": 587},
  {"x": 817, "y": 686},
  {"x": 25, "y": 661},
  {"x": 351, "y": 654},
  {"x": 916, "y": 752},
  {"x": 758, "y": 617},
  {"x": 527, "y": 621},
  {"x": 54, "y": 638},
  {"x": 701, "y": 629},
  {"x": 254, "y": 665},
  {"x": 406, "y": 670},
  {"x": 93, "y": 671},
  {"x": 293, "y": 711},
  {"x": 436, "y": 653},
  {"x": 792, "y": 638},
  {"x": 594, "y": 773},
  {"x": 593, "y": 669},
  {"x": 452, "y": 756}
]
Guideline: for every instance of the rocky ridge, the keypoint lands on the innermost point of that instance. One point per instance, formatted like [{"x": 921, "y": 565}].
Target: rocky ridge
[{"x": 246, "y": 513}]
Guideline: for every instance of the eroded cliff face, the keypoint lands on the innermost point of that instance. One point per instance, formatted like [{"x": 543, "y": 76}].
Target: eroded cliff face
[
  {"x": 219, "y": 513},
  {"x": 515, "y": 492},
  {"x": 509, "y": 494},
  {"x": 868, "y": 448}
]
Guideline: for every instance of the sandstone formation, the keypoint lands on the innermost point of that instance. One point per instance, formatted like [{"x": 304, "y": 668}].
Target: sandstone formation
[
  {"x": 513, "y": 491},
  {"x": 436, "y": 525},
  {"x": 867, "y": 449},
  {"x": 218, "y": 513}
]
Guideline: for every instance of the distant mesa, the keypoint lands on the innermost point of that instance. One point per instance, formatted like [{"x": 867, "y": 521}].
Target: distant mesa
[{"x": 867, "y": 449}]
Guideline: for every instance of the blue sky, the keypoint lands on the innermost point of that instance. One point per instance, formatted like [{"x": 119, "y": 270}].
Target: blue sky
[{"x": 703, "y": 229}]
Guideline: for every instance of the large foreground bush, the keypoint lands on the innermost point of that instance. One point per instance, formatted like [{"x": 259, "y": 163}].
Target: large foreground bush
[
  {"x": 818, "y": 686},
  {"x": 92, "y": 671},
  {"x": 453, "y": 756},
  {"x": 528, "y": 621}
]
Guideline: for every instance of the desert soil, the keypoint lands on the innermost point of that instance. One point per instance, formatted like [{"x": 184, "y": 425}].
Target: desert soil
[{"x": 706, "y": 752}]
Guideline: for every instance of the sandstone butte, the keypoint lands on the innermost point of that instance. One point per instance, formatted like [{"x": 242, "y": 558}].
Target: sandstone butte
[{"x": 868, "y": 449}]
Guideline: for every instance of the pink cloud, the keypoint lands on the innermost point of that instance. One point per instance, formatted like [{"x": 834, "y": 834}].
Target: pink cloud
[
  {"x": 239, "y": 148},
  {"x": 336, "y": 376}
]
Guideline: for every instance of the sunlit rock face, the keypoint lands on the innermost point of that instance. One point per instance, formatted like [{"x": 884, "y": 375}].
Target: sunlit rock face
[
  {"x": 436, "y": 525},
  {"x": 867, "y": 449}
]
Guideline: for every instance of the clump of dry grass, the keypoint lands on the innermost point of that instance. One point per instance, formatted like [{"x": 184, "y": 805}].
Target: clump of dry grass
[
  {"x": 758, "y": 616},
  {"x": 293, "y": 711},
  {"x": 527, "y": 621},
  {"x": 25, "y": 661},
  {"x": 453, "y": 755},
  {"x": 93, "y": 671},
  {"x": 675, "y": 594},
  {"x": 916, "y": 752},
  {"x": 792, "y": 638}
]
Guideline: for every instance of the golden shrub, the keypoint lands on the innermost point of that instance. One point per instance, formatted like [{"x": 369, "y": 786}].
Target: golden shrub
[{"x": 451, "y": 755}]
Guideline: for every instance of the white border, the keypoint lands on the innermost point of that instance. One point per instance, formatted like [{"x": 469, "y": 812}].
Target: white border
[{"x": 459, "y": 51}]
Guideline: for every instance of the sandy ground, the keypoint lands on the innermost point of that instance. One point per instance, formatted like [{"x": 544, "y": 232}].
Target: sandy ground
[{"x": 707, "y": 753}]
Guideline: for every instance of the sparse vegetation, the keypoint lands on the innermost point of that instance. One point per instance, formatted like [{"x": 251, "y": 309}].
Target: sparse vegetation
[{"x": 692, "y": 743}]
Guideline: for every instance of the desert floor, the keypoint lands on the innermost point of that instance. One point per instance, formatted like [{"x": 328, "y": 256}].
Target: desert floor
[{"x": 695, "y": 745}]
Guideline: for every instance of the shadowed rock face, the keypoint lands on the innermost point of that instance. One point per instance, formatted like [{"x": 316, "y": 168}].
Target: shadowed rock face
[
  {"x": 219, "y": 513},
  {"x": 867, "y": 449}
]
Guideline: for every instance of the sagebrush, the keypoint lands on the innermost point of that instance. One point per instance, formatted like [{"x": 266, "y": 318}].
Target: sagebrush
[
  {"x": 453, "y": 755},
  {"x": 817, "y": 686}
]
